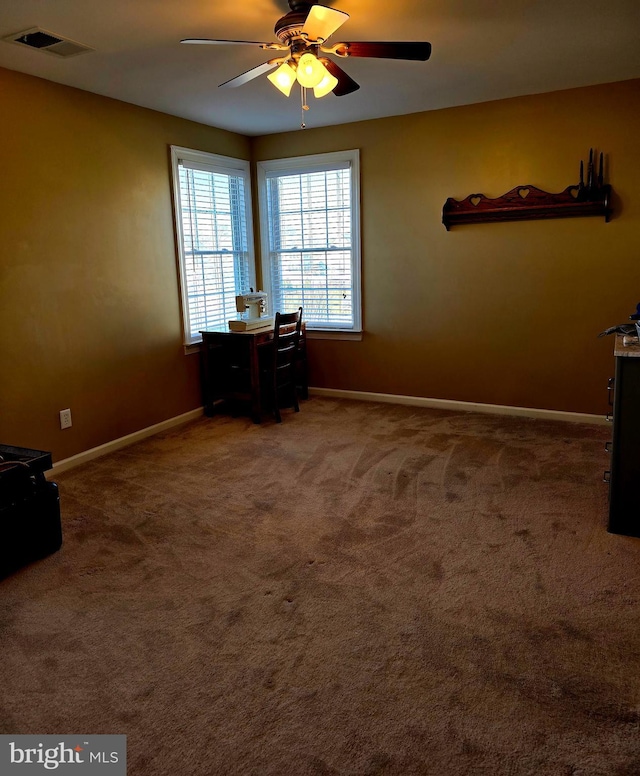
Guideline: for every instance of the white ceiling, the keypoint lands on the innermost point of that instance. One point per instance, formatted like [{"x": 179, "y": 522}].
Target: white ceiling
[{"x": 482, "y": 50}]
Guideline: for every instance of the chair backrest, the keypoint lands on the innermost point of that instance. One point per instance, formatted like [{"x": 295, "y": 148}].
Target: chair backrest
[{"x": 286, "y": 336}]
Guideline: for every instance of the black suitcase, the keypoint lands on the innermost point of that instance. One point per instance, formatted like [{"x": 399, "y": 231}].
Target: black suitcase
[{"x": 30, "y": 527}]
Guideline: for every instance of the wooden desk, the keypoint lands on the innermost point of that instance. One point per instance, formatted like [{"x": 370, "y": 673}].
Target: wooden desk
[{"x": 230, "y": 367}]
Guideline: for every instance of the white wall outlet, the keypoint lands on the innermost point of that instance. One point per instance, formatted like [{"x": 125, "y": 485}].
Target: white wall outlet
[{"x": 65, "y": 418}]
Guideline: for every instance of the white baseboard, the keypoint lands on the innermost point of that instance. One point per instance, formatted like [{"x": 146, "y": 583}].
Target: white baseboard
[
  {"x": 125, "y": 441},
  {"x": 464, "y": 406},
  {"x": 385, "y": 398}
]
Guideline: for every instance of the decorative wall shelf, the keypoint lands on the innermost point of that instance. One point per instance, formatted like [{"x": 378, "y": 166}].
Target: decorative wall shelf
[{"x": 527, "y": 203}]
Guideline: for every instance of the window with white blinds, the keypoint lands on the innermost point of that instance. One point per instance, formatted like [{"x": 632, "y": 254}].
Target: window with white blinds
[
  {"x": 213, "y": 223},
  {"x": 310, "y": 238}
]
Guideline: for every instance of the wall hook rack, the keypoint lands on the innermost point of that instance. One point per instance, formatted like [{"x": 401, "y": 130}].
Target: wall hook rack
[{"x": 528, "y": 203}]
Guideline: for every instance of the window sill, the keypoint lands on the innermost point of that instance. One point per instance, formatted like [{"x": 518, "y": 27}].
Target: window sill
[
  {"x": 326, "y": 334},
  {"x": 194, "y": 347}
]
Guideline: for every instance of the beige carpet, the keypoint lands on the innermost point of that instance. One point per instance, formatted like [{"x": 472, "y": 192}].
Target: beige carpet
[{"x": 364, "y": 589}]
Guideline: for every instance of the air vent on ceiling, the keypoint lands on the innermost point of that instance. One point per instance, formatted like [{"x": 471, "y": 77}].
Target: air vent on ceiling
[{"x": 48, "y": 42}]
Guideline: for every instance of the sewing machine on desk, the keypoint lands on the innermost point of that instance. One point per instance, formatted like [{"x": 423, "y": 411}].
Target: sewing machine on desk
[{"x": 252, "y": 308}]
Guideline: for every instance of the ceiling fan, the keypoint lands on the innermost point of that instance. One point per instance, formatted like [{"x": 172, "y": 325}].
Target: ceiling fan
[{"x": 302, "y": 34}]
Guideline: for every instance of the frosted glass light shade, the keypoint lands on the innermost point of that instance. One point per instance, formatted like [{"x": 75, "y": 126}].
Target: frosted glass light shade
[
  {"x": 310, "y": 71},
  {"x": 328, "y": 84},
  {"x": 283, "y": 78}
]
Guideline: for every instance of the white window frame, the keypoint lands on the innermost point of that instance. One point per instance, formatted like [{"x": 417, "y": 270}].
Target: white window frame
[
  {"x": 317, "y": 163},
  {"x": 220, "y": 164}
]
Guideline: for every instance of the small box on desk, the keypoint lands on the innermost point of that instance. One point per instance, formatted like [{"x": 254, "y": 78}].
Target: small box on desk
[{"x": 250, "y": 324}]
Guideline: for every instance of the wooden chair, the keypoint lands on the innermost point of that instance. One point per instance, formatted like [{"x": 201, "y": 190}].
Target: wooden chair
[{"x": 281, "y": 377}]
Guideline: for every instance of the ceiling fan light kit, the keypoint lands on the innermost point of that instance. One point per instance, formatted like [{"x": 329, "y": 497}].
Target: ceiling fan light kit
[
  {"x": 328, "y": 84},
  {"x": 284, "y": 78},
  {"x": 301, "y": 34},
  {"x": 310, "y": 71}
]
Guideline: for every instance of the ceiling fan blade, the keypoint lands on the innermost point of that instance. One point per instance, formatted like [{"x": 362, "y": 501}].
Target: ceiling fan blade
[
  {"x": 249, "y": 75},
  {"x": 323, "y": 22},
  {"x": 211, "y": 42},
  {"x": 346, "y": 84},
  {"x": 416, "y": 51}
]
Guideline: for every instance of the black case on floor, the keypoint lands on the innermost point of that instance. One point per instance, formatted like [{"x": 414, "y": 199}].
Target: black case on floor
[{"x": 30, "y": 526}]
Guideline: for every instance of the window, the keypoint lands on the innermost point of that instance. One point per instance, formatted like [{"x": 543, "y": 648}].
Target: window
[
  {"x": 215, "y": 244},
  {"x": 309, "y": 208}
]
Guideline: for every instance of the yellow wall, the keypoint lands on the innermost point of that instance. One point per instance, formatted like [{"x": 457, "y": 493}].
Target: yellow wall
[
  {"x": 89, "y": 307},
  {"x": 502, "y": 313}
]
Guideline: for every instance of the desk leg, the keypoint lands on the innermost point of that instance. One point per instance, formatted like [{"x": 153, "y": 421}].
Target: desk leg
[
  {"x": 205, "y": 379},
  {"x": 302, "y": 371},
  {"x": 254, "y": 369}
]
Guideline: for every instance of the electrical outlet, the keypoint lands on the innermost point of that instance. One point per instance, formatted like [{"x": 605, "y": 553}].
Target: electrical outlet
[{"x": 65, "y": 418}]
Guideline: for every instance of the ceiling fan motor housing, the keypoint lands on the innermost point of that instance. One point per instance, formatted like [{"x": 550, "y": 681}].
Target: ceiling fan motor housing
[
  {"x": 290, "y": 26},
  {"x": 301, "y": 5}
]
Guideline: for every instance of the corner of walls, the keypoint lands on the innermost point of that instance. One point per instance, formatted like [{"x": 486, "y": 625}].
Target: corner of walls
[{"x": 90, "y": 315}]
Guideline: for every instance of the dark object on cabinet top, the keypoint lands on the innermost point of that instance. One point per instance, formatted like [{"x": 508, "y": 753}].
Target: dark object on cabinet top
[
  {"x": 20, "y": 464},
  {"x": 623, "y": 328}
]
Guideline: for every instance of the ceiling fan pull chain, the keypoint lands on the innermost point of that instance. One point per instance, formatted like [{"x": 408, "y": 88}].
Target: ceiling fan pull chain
[{"x": 303, "y": 105}]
